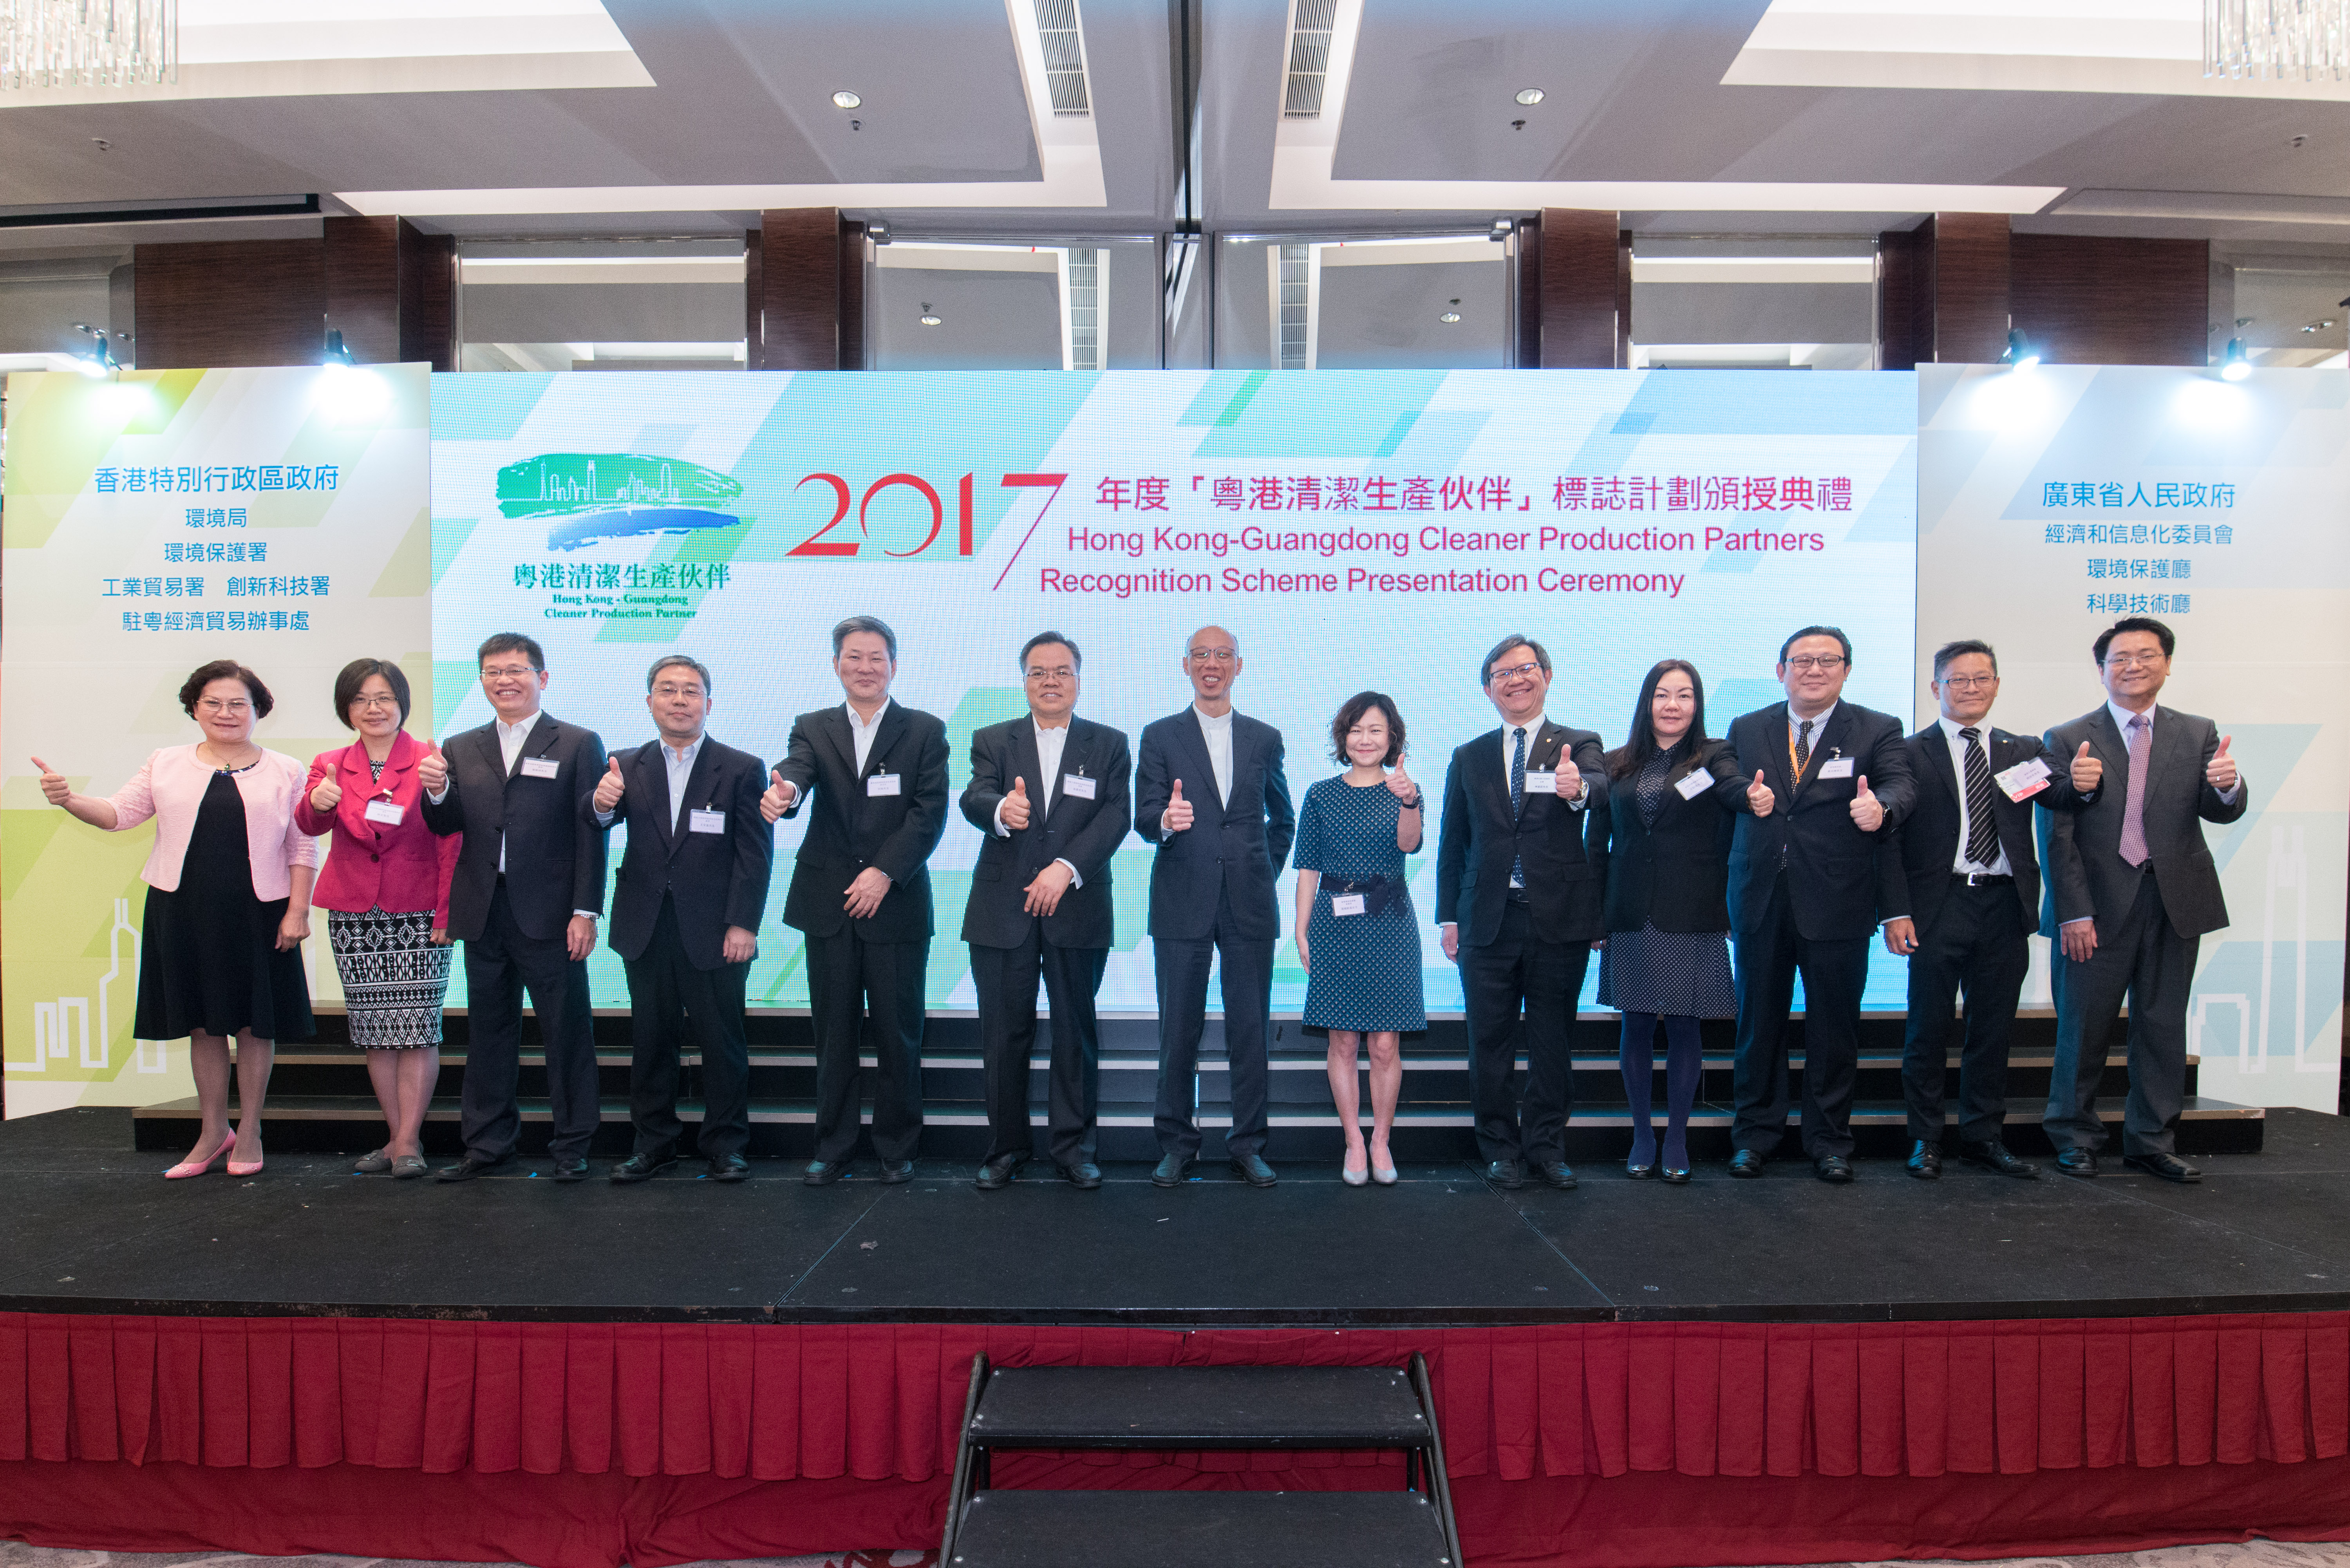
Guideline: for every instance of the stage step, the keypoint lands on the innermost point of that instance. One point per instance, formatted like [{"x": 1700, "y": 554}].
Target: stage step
[{"x": 1192, "y": 1408}]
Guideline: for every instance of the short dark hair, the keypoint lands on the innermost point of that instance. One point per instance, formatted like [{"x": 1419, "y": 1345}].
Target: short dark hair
[
  {"x": 355, "y": 675},
  {"x": 1641, "y": 744},
  {"x": 2162, "y": 634},
  {"x": 1834, "y": 631},
  {"x": 1485, "y": 670},
  {"x": 871, "y": 623},
  {"x": 1351, "y": 714},
  {"x": 512, "y": 642},
  {"x": 1040, "y": 639},
  {"x": 225, "y": 669},
  {"x": 683, "y": 662},
  {"x": 1960, "y": 649}
]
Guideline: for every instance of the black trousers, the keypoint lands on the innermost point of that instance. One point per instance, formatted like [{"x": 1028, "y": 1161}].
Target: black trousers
[
  {"x": 1521, "y": 994},
  {"x": 499, "y": 964},
  {"x": 1834, "y": 972},
  {"x": 2143, "y": 957},
  {"x": 1182, "y": 964},
  {"x": 1976, "y": 948},
  {"x": 847, "y": 978},
  {"x": 669, "y": 1003},
  {"x": 1006, "y": 982}
]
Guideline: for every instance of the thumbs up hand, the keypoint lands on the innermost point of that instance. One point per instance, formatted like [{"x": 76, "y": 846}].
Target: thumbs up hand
[
  {"x": 2221, "y": 769},
  {"x": 432, "y": 773},
  {"x": 778, "y": 797},
  {"x": 1013, "y": 811},
  {"x": 610, "y": 787},
  {"x": 1568, "y": 777},
  {"x": 1759, "y": 798},
  {"x": 53, "y": 783},
  {"x": 2088, "y": 773},
  {"x": 1178, "y": 815},
  {"x": 1867, "y": 811},
  {"x": 328, "y": 795}
]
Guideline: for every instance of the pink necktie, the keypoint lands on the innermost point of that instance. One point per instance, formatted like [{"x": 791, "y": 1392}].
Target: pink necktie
[{"x": 2134, "y": 850}]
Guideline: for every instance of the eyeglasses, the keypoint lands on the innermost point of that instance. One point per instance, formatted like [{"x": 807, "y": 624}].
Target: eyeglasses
[
  {"x": 1807, "y": 662},
  {"x": 503, "y": 671},
  {"x": 1514, "y": 672},
  {"x": 671, "y": 689},
  {"x": 1213, "y": 655},
  {"x": 215, "y": 706},
  {"x": 1058, "y": 673},
  {"x": 2134, "y": 660},
  {"x": 1970, "y": 683},
  {"x": 375, "y": 701}
]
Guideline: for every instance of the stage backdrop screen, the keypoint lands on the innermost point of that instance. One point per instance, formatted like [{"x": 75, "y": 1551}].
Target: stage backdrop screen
[{"x": 1353, "y": 530}]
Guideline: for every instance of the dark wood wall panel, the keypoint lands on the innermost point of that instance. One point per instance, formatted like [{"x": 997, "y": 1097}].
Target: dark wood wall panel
[
  {"x": 2084, "y": 300},
  {"x": 361, "y": 257},
  {"x": 1622, "y": 297},
  {"x": 852, "y": 297},
  {"x": 753, "y": 302},
  {"x": 1529, "y": 300},
  {"x": 1580, "y": 272},
  {"x": 428, "y": 298},
  {"x": 1901, "y": 255},
  {"x": 1968, "y": 285},
  {"x": 799, "y": 289},
  {"x": 235, "y": 302}
]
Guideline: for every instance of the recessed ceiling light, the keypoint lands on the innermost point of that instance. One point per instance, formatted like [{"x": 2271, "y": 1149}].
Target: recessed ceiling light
[
  {"x": 928, "y": 318},
  {"x": 1453, "y": 315},
  {"x": 844, "y": 99},
  {"x": 1530, "y": 96}
]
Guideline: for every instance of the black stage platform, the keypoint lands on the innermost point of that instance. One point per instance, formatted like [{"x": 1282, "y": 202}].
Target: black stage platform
[{"x": 91, "y": 1227}]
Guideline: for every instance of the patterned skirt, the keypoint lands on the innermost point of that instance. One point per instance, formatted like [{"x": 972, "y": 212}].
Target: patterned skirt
[
  {"x": 1670, "y": 973},
  {"x": 394, "y": 978}
]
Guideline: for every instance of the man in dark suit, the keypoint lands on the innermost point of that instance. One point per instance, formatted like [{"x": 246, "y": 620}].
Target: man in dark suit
[
  {"x": 1049, "y": 792},
  {"x": 685, "y": 918},
  {"x": 860, "y": 894},
  {"x": 1521, "y": 905},
  {"x": 1803, "y": 894},
  {"x": 1209, "y": 790},
  {"x": 2131, "y": 891},
  {"x": 1961, "y": 896},
  {"x": 527, "y": 893}
]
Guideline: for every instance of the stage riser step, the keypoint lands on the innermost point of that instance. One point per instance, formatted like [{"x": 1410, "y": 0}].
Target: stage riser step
[
  {"x": 1199, "y": 1407},
  {"x": 1192, "y": 1529}
]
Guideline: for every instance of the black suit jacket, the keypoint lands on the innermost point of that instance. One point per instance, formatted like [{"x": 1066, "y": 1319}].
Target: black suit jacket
[
  {"x": 1085, "y": 832},
  {"x": 555, "y": 859},
  {"x": 853, "y": 828},
  {"x": 1928, "y": 837},
  {"x": 1480, "y": 838},
  {"x": 1831, "y": 865},
  {"x": 2086, "y": 876},
  {"x": 718, "y": 879},
  {"x": 1674, "y": 875},
  {"x": 1240, "y": 844}
]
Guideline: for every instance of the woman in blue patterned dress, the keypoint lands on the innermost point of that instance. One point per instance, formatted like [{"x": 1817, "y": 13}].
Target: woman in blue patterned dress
[{"x": 1358, "y": 939}]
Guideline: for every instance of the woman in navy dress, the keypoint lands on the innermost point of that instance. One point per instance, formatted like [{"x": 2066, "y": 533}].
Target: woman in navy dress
[
  {"x": 1663, "y": 845},
  {"x": 1356, "y": 938}
]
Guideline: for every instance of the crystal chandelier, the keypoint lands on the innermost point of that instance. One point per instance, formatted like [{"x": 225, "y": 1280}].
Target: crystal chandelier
[
  {"x": 2276, "y": 40},
  {"x": 89, "y": 43}
]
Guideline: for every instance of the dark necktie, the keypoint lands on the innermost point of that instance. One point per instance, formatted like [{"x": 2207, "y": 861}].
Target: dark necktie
[
  {"x": 1518, "y": 798},
  {"x": 1803, "y": 749},
  {"x": 1982, "y": 828}
]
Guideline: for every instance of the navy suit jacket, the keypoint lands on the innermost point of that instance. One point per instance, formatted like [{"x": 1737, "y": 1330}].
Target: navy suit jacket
[
  {"x": 554, "y": 860},
  {"x": 1085, "y": 832},
  {"x": 1929, "y": 838},
  {"x": 717, "y": 880},
  {"x": 1831, "y": 865},
  {"x": 1239, "y": 846},
  {"x": 853, "y": 828},
  {"x": 1480, "y": 837}
]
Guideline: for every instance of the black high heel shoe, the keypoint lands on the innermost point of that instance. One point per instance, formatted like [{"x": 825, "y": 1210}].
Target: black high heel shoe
[
  {"x": 1677, "y": 1177},
  {"x": 1639, "y": 1172}
]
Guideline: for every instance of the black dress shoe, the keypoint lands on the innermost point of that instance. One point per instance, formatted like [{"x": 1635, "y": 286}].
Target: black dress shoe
[
  {"x": 465, "y": 1170},
  {"x": 1992, "y": 1155},
  {"x": 1925, "y": 1161},
  {"x": 1678, "y": 1174},
  {"x": 1507, "y": 1174},
  {"x": 1173, "y": 1170},
  {"x": 1085, "y": 1175},
  {"x": 730, "y": 1167},
  {"x": 1639, "y": 1172},
  {"x": 1254, "y": 1171},
  {"x": 1833, "y": 1167},
  {"x": 1746, "y": 1162},
  {"x": 2169, "y": 1167},
  {"x": 1000, "y": 1172},
  {"x": 574, "y": 1169},
  {"x": 824, "y": 1172},
  {"x": 894, "y": 1171},
  {"x": 1557, "y": 1173},
  {"x": 2077, "y": 1162},
  {"x": 641, "y": 1167}
]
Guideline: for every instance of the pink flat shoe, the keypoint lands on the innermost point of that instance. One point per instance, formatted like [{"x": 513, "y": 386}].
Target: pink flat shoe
[{"x": 188, "y": 1168}]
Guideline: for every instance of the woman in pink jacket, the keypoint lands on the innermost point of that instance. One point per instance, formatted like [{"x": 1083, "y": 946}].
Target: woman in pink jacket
[
  {"x": 386, "y": 893},
  {"x": 228, "y": 903}
]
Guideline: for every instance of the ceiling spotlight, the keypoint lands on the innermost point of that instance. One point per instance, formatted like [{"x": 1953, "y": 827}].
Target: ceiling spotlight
[
  {"x": 1530, "y": 96},
  {"x": 2233, "y": 366},
  {"x": 845, "y": 100},
  {"x": 2021, "y": 355},
  {"x": 929, "y": 317},
  {"x": 1451, "y": 315},
  {"x": 1502, "y": 227},
  {"x": 336, "y": 354},
  {"x": 97, "y": 360}
]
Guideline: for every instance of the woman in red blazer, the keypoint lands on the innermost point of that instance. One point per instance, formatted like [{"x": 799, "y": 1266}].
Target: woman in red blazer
[{"x": 386, "y": 893}]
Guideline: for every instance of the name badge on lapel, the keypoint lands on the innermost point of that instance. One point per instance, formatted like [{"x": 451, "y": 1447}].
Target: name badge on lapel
[
  {"x": 706, "y": 821},
  {"x": 1837, "y": 768},
  {"x": 1695, "y": 783},
  {"x": 883, "y": 784},
  {"x": 386, "y": 812},
  {"x": 1078, "y": 785},
  {"x": 1545, "y": 783},
  {"x": 540, "y": 767},
  {"x": 2024, "y": 780}
]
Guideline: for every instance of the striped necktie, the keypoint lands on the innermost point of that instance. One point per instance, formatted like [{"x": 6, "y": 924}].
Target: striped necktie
[{"x": 1982, "y": 827}]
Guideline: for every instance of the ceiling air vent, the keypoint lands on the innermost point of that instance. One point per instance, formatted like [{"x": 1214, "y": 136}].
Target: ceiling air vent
[
  {"x": 1309, "y": 58},
  {"x": 1064, "y": 57}
]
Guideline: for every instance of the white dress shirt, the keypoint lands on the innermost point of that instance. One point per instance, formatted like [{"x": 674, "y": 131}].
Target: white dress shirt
[
  {"x": 1533, "y": 729},
  {"x": 1216, "y": 729},
  {"x": 510, "y": 739},
  {"x": 680, "y": 764},
  {"x": 1999, "y": 866},
  {"x": 861, "y": 733},
  {"x": 1050, "y": 744},
  {"x": 2122, "y": 717}
]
